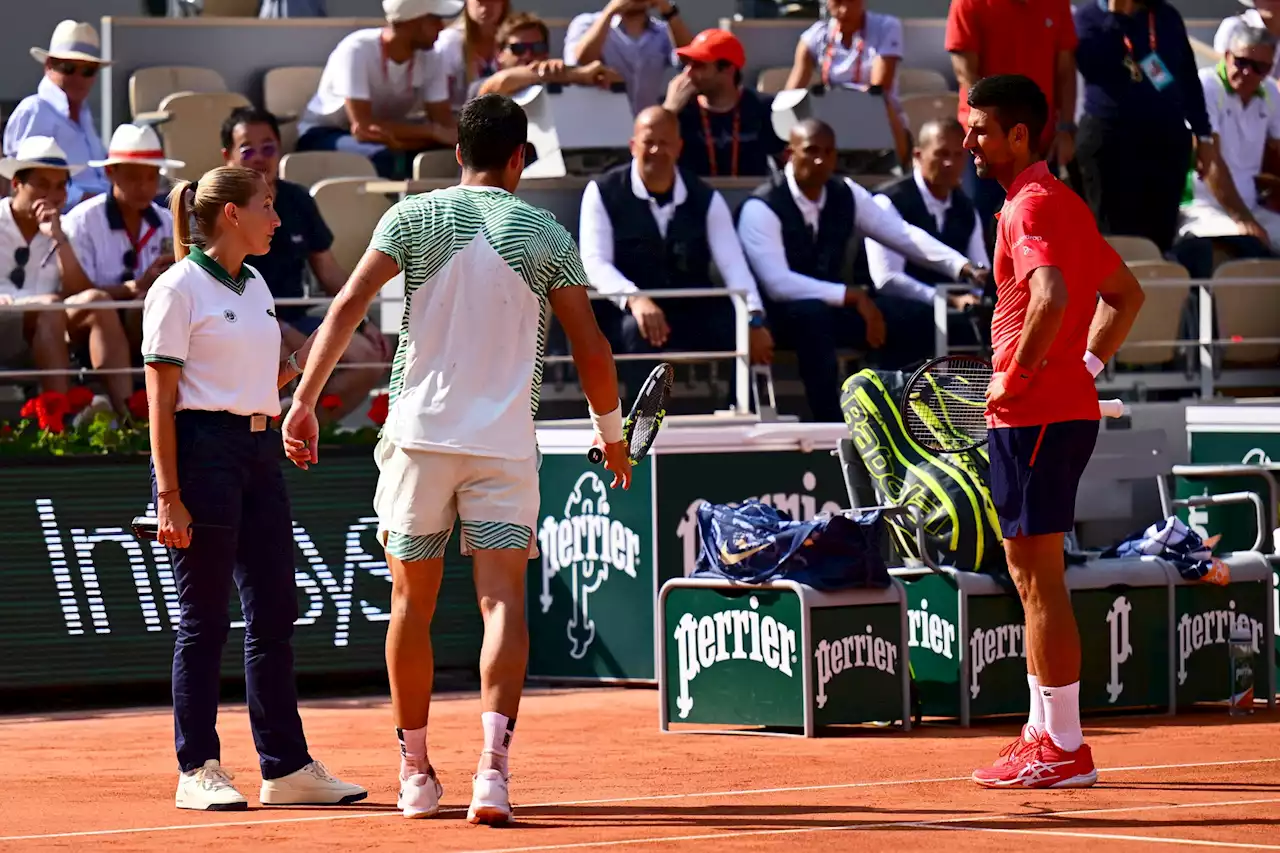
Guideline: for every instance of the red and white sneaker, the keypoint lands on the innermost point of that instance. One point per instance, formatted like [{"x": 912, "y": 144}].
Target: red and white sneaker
[{"x": 1042, "y": 764}]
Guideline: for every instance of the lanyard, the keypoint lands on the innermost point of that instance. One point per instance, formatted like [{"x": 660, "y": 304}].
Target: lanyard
[
  {"x": 409, "y": 88},
  {"x": 1151, "y": 33},
  {"x": 139, "y": 245},
  {"x": 711, "y": 146},
  {"x": 858, "y": 45}
]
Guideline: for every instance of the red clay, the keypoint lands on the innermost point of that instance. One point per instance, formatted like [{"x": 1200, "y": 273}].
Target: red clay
[{"x": 869, "y": 789}]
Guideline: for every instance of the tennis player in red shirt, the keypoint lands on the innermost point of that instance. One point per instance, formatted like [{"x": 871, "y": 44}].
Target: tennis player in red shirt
[{"x": 1051, "y": 336}]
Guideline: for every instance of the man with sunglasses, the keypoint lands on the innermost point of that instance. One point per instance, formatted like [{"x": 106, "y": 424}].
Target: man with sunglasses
[
  {"x": 525, "y": 61},
  {"x": 39, "y": 267},
  {"x": 59, "y": 108}
]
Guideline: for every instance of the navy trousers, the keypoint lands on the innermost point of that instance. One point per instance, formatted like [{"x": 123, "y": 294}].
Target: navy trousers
[{"x": 242, "y": 532}]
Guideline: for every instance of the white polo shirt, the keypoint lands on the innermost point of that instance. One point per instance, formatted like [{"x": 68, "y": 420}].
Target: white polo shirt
[
  {"x": 1243, "y": 130},
  {"x": 102, "y": 245},
  {"x": 357, "y": 70},
  {"x": 40, "y": 280},
  {"x": 220, "y": 330}
]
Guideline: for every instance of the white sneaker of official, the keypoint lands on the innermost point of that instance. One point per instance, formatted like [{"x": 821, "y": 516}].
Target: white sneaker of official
[
  {"x": 313, "y": 785},
  {"x": 420, "y": 795},
  {"x": 209, "y": 788},
  {"x": 490, "y": 802}
]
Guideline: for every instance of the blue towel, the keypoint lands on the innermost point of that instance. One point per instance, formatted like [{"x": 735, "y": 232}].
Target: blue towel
[{"x": 1172, "y": 541}]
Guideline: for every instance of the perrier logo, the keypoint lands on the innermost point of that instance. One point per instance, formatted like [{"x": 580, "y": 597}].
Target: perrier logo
[
  {"x": 738, "y": 634},
  {"x": 586, "y": 544}
]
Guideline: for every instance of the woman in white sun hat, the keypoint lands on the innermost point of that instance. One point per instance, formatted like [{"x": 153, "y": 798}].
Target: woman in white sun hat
[{"x": 59, "y": 108}]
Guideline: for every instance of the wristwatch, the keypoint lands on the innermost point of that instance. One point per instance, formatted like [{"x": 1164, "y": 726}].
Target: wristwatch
[
  {"x": 675, "y": 10},
  {"x": 1066, "y": 127},
  {"x": 756, "y": 321}
]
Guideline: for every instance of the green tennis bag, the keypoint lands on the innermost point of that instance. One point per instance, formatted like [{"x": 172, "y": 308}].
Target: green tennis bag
[{"x": 949, "y": 490}]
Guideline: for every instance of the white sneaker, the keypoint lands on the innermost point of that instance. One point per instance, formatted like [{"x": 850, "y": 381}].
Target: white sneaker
[
  {"x": 420, "y": 795},
  {"x": 209, "y": 788},
  {"x": 313, "y": 785},
  {"x": 490, "y": 802}
]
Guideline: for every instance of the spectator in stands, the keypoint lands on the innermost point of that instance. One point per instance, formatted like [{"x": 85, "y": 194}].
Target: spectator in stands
[
  {"x": 646, "y": 227},
  {"x": 251, "y": 138},
  {"x": 374, "y": 82},
  {"x": 525, "y": 61},
  {"x": 627, "y": 38},
  {"x": 1244, "y": 110},
  {"x": 1034, "y": 38},
  {"x": 727, "y": 128},
  {"x": 1142, "y": 90},
  {"x": 470, "y": 48},
  {"x": 857, "y": 49},
  {"x": 931, "y": 199},
  {"x": 59, "y": 110},
  {"x": 39, "y": 266},
  {"x": 796, "y": 230},
  {"x": 1261, "y": 14}
]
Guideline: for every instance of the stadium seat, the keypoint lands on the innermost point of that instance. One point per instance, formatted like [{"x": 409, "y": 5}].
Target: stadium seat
[
  {"x": 1133, "y": 249},
  {"x": 1249, "y": 311},
  {"x": 351, "y": 215},
  {"x": 921, "y": 81},
  {"x": 1160, "y": 315},
  {"x": 433, "y": 165},
  {"x": 285, "y": 92},
  {"x": 773, "y": 80},
  {"x": 309, "y": 168},
  {"x": 149, "y": 86},
  {"x": 927, "y": 107},
  {"x": 193, "y": 131}
]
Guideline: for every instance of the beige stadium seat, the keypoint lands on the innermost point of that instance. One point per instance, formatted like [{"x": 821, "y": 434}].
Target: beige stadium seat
[
  {"x": 1133, "y": 249},
  {"x": 193, "y": 132},
  {"x": 1249, "y": 311},
  {"x": 309, "y": 168},
  {"x": 285, "y": 92},
  {"x": 919, "y": 81},
  {"x": 435, "y": 165},
  {"x": 149, "y": 86},
  {"x": 924, "y": 108},
  {"x": 773, "y": 80},
  {"x": 1160, "y": 316},
  {"x": 351, "y": 215}
]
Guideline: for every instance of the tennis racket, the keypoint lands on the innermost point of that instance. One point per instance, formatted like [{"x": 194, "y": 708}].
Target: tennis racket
[
  {"x": 944, "y": 404},
  {"x": 647, "y": 413}
]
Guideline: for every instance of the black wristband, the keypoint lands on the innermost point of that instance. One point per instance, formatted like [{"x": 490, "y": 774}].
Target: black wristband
[{"x": 675, "y": 10}]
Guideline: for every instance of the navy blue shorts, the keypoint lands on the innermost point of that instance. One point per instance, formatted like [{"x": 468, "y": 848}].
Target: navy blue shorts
[{"x": 1035, "y": 471}]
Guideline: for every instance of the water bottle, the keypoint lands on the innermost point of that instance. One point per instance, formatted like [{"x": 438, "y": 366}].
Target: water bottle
[{"x": 1241, "y": 650}]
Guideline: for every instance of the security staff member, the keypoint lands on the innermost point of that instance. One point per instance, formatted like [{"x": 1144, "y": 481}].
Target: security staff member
[{"x": 209, "y": 331}]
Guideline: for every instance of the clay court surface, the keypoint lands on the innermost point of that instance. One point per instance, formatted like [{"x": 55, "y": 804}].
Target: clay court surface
[{"x": 592, "y": 772}]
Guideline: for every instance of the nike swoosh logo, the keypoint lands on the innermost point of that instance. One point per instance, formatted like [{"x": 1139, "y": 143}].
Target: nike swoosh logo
[{"x": 734, "y": 559}]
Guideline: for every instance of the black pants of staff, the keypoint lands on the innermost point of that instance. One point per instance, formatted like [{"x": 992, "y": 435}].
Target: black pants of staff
[
  {"x": 242, "y": 531},
  {"x": 1134, "y": 177},
  {"x": 697, "y": 325}
]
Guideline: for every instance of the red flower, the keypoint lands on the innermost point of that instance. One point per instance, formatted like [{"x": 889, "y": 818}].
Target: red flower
[
  {"x": 79, "y": 397},
  {"x": 5, "y": 430},
  {"x": 137, "y": 404},
  {"x": 378, "y": 409},
  {"x": 28, "y": 409},
  {"x": 51, "y": 408},
  {"x": 329, "y": 402}
]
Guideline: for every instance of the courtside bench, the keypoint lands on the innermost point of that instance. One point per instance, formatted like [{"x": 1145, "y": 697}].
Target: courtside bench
[{"x": 781, "y": 656}]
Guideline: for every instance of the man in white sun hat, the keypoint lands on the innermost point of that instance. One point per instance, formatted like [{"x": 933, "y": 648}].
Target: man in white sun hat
[
  {"x": 376, "y": 80},
  {"x": 59, "y": 110},
  {"x": 38, "y": 266},
  {"x": 1258, "y": 14}
]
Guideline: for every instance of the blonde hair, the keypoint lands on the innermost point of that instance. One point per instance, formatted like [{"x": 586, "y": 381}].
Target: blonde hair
[
  {"x": 470, "y": 33},
  {"x": 197, "y": 205}
]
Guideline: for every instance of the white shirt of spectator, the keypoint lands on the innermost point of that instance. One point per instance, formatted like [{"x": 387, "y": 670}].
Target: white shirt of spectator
[
  {"x": 888, "y": 268},
  {"x": 595, "y": 241},
  {"x": 100, "y": 244},
  {"x": 358, "y": 71},
  {"x": 451, "y": 50},
  {"x": 642, "y": 62},
  {"x": 760, "y": 232},
  {"x": 226, "y": 340},
  {"x": 881, "y": 36},
  {"x": 1228, "y": 28},
  {"x": 41, "y": 280}
]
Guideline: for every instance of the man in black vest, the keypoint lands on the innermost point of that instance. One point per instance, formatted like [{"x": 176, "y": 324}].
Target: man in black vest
[
  {"x": 931, "y": 199},
  {"x": 647, "y": 227},
  {"x": 796, "y": 231}
]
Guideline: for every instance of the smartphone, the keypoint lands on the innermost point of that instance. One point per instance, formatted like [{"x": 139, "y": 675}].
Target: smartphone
[
  {"x": 145, "y": 527},
  {"x": 166, "y": 246}
]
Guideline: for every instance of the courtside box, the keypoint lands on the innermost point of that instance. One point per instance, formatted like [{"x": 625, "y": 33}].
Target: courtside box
[{"x": 781, "y": 657}]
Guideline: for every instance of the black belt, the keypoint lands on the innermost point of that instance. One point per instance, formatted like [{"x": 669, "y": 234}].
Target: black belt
[{"x": 229, "y": 420}]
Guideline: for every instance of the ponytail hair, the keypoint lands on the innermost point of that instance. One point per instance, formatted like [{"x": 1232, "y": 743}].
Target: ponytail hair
[{"x": 197, "y": 205}]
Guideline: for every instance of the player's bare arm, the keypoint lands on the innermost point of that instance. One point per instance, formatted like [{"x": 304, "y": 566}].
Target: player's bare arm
[
  {"x": 1045, "y": 310},
  {"x": 1121, "y": 299}
]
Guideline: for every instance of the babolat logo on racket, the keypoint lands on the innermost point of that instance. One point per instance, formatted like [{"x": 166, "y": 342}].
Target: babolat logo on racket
[
  {"x": 587, "y": 544},
  {"x": 986, "y": 646},
  {"x": 854, "y": 651},
  {"x": 1212, "y": 628},
  {"x": 731, "y": 634}
]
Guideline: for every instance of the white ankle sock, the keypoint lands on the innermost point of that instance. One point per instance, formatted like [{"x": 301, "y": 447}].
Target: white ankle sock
[
  {"x": 497, "y": 736},
  {"x": 413, "y": 751},
  {"x": 1062, "y": 715},
  {"x": 1035, "y": 718}
]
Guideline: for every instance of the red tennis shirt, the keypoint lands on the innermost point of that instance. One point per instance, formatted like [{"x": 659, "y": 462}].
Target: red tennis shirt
[{"x": 1045, "y": 224}]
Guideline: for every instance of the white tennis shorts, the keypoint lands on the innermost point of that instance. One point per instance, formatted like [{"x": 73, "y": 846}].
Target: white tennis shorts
[{"x": 421, "y": 493}]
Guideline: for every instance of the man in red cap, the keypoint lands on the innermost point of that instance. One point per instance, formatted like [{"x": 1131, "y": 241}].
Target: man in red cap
[{"x": 726, "y": 127}]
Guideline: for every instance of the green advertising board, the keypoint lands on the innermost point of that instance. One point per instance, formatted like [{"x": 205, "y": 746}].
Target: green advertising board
[
  {"x": 1204, "y": 616},
  {"x": 1124, "y": 647},
  {"x": 857, "y": 663},
  {"x": 88, "y": 604}
]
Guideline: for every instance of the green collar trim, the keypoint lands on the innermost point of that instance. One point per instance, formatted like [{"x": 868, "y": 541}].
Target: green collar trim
[
  {"x": 1221, "y": 69},
  {"x": 215, "y": 269}
]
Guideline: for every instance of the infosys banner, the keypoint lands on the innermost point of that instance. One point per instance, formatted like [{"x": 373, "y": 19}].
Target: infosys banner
[{"x": 88, "y": 604}]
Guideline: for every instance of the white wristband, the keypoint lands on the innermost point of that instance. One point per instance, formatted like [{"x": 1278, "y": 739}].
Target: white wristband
[
  {"x": 1093, "y": 363},
  {"x": 608, "y": 426}
]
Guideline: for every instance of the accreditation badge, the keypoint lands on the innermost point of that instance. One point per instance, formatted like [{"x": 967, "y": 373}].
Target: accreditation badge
[{"x": 1155, "y": 69}]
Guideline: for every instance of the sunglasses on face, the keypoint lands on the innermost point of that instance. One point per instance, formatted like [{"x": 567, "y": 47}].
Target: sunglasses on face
[
  {"x": 1257, "y": 66},
  {"x": 19, "y": 274},
  {"x": 71, "y": 69},
  {"x": 248, "y": 152},
  {"x": 525, "y": 48}
]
